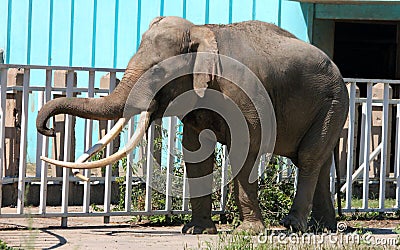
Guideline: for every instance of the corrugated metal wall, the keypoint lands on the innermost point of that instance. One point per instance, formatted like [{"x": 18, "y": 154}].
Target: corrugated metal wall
[{"x": 106, "y": 33}]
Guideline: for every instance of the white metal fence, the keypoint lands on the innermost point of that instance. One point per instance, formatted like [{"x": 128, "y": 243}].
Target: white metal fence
[{"x": 356, "y": 173}]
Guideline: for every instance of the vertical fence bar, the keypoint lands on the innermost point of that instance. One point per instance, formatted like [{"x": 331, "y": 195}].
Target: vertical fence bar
[
  {"x": 385, "y": 127},
  {"x": 362, "y": 134},
  {"x": 332, "y": 178},
  {"x": 170, "y": 162},
  {"x": 24, "y": 130},
  {"x": 67, "y": 150},
  {"x": 367, "y": 142},
  {"x": 129, "y": 171},
  {"x": 397, "y": 149},
  {"x": 261, "y": 166},
  {"x": 45, "y": 150},
  {"x": 185, "y": 191},
  {"x": 350, "y": 144},
  {"x": 149, "y": 166},
  {"x": 224, "y": 176},
  {"x": 109, "y": 151},
  {"x": 280, "y": 164},
  {"x": 39, "y": 138},
  {"x": 88, "y": 144},
  {"x": 3, "y": 96}
]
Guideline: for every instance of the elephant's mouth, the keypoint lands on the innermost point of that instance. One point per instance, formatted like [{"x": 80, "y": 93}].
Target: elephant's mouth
[{"x": 81, "y": 162}]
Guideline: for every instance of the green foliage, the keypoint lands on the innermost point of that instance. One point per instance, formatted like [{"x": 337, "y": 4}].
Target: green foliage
[
  {"x": 4, "y": 246},
  {"x": 275, "y": 198},
  {"x": 96, "y": 208}
]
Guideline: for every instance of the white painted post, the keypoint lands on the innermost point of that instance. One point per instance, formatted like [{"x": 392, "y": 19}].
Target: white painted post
[
  {"x": 350, "y": 144},
  {"x": 109, "y": 151},
  {"x": 24, "y": 130},
  {"x": 129, "y": 171},
  {"x": 39, "y": 138},
  {"x": 67, "y": 149},
  {"x": 170, "y": 162},
  {"x": 332, "y": 178},
  {"x": 224, "y": 176},
  {"x": 385, "y": 128},
  {"x": 185, "y": 191},
  {"x": 45, "y": 150},
  {"x": 3, "y": 93},
  {"x": 367, "y": 142},
  {"x": 88, "y": 144},
  {"x": 149, "y": 166}
]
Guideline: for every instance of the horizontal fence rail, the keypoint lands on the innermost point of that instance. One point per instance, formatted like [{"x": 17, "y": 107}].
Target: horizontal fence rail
[{"x": 369, "y": 152}]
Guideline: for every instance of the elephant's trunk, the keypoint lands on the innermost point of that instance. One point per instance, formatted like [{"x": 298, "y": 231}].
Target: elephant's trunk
[{"x": 105, "y": 108}]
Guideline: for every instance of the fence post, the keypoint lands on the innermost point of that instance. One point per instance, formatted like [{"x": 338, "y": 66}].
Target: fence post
[
  {"x": 376, "y": 129},
  {"x": 343, "y": 141},
  {"x": 60, "y": 81},
  {"x": 13, "y": 123}
]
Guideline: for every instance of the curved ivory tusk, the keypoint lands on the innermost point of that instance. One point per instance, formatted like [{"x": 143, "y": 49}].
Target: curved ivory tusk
[
  {"x": 104, "y": 141},
  {"x": 132, "y": 143},
  {"x": 114, "y": 132}
]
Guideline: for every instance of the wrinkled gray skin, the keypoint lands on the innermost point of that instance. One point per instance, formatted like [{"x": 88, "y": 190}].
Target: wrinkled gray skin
[{"x": 307, "y": 91}]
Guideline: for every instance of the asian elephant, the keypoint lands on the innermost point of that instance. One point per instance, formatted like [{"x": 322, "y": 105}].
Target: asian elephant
[{"x": 308, "y": 95}]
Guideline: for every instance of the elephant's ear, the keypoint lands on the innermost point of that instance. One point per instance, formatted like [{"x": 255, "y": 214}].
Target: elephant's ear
[{"x": 206, "y": 66}]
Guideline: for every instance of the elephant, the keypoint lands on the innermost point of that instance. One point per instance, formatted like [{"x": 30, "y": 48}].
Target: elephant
[{"x": 309, "y": 98}]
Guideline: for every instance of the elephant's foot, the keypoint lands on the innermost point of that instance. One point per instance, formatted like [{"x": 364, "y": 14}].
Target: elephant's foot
[
  {"x": 204, "y": 226},
  {"x": 250, "y": 227},
  {"x": 294, "y": 223}
]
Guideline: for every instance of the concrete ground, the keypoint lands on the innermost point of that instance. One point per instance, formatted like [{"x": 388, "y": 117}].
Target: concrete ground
[{"x": 91, "y": 233}]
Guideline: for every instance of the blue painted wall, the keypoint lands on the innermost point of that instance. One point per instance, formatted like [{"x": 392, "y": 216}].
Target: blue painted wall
[{"x": 106, "y": 33}]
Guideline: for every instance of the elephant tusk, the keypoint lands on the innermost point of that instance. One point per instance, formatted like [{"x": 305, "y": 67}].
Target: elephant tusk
[
  {"x": 114, "y": 132},
  {"x": 132, "y": 143}
]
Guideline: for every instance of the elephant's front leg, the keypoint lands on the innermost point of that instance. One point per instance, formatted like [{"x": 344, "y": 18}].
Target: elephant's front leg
[
  {"x": 246, "y": 194},
  {"x": 199, "y": 176}
]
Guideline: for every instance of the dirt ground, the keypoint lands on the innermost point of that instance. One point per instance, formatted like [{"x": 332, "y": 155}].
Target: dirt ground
[{"x": 91, "y": 233}]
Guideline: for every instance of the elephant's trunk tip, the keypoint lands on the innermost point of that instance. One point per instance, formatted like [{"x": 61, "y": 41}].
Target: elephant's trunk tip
[
  {"x": 46, "y": 131},
  {"x": 41, "y": 126}
]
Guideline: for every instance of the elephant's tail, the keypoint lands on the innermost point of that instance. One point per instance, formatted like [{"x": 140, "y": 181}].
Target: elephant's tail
[{"x": 337, "y": 169}]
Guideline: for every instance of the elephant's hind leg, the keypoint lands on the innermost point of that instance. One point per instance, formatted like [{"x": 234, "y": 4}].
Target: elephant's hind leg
[
  {"x": 314, "y": 153},
  {"x": 323, "y": 213}
]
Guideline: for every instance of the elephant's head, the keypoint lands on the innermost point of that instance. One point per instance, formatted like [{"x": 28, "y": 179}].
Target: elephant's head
[{"x": 166, "y": 37}]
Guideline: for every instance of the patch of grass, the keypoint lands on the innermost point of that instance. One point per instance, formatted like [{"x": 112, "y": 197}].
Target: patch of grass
[
  {"x": 287, "y": 241},
  {"x": 372, "y": 203}
]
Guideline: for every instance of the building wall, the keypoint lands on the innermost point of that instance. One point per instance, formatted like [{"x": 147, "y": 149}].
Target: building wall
[{"x": 106, "y": 33}]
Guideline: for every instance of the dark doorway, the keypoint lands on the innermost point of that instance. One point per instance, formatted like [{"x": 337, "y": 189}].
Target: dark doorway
[
  {"x": 369, "y": 50},
  {"x": 366, "y": 50}
]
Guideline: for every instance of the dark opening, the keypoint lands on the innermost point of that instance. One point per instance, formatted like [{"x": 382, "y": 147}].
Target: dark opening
[{"x": 366, "y": 50}]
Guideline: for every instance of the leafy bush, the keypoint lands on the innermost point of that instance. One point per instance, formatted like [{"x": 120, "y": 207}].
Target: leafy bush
[
  {"x": 275, "y": 198},
  {"x": 4, "y": 245}
]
